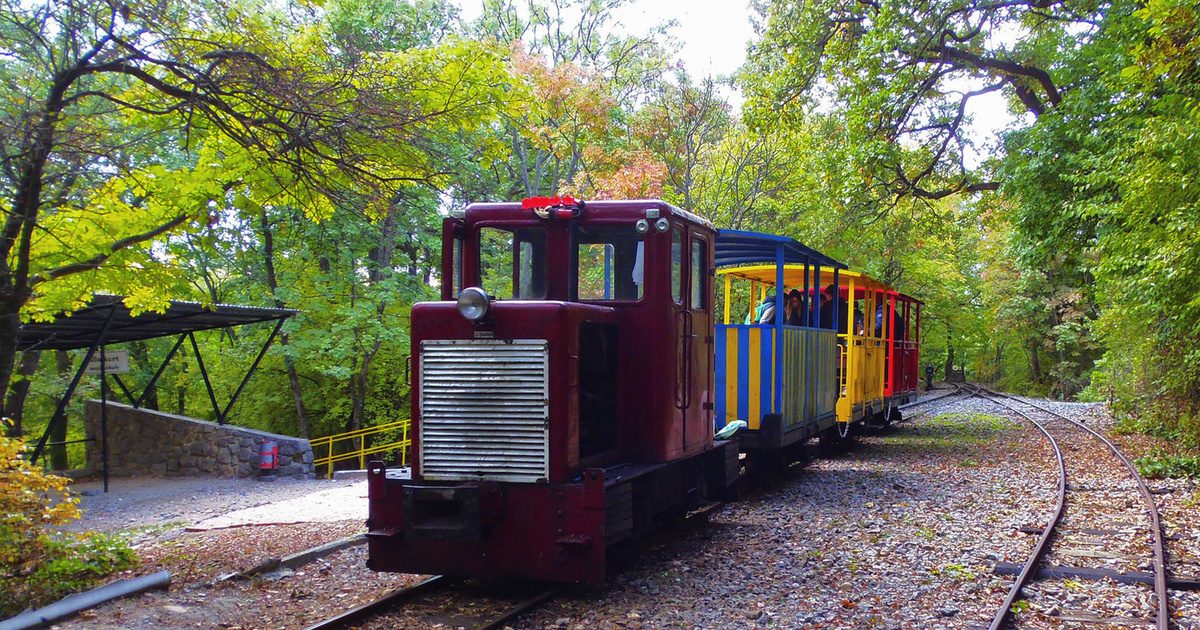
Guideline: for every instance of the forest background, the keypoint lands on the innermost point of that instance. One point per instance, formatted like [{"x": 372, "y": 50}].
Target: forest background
[{"x": 302, "y": 154}]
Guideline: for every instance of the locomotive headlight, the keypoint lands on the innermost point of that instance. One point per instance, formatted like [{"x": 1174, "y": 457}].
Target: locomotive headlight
[
  {"x": 642, "y": 226},
  {"x": 662, "y": 224},
  {"x": 473, "y": 303}
]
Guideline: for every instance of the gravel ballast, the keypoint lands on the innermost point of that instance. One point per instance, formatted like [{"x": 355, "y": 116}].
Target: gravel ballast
[{"x": 903, "y": 531}]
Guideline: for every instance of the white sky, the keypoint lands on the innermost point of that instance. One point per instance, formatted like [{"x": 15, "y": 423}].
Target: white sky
[{"x": 712, "y": 37}]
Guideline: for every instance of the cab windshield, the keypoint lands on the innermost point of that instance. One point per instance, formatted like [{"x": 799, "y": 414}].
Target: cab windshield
[
  {"x": 512, "y": 262},
  {"x": 609, "y": 263}
]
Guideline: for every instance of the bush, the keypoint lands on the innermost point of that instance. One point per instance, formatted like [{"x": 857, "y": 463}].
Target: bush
[
  {"x": 1168, "y": 466},
  {"x": 39, "y": 563}
]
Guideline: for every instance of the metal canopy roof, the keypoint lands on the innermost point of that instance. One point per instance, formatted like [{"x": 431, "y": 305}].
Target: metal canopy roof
[
  {"x": 738, "y": 247},
  {"x": 84, "y": 327}
]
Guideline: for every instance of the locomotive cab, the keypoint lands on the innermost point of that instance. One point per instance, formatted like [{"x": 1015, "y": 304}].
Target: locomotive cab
[{"x": 562, "y": 392}]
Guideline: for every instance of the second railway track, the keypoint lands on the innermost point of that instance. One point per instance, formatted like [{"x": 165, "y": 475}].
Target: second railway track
[{"x": 1105, "y": 524}]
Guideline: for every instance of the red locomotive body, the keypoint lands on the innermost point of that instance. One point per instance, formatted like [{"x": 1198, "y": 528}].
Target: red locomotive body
[{"x": 565, "y": 402}]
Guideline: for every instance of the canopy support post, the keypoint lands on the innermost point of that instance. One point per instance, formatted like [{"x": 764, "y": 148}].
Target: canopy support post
[
  {"x": 250, "y": 372},
  {"x": 61, "y": 409},
  {"x": 124, "y": 390},
  {"x": 104, "y": 416},
  {"x": 212, "y": 397},
  {"x": 154, "y": 379},
  {"x": 779, "y": 316}
]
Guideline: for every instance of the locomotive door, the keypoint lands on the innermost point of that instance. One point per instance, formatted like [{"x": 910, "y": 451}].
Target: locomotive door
[
  {"x": 699, "y": 416},
  {"x": 681, "y": 320},
  {"x": 691, "y": 297}
]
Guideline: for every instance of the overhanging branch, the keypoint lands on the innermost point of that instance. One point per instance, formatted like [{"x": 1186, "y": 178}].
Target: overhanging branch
[{"x": 96, "y": 261}]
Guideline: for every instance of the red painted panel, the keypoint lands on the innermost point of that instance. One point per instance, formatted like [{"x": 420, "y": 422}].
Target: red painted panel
[{"x": 531, "y": 531}]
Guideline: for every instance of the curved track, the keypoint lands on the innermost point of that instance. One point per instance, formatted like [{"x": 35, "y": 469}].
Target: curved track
[{"x": 1003, "y": 615}]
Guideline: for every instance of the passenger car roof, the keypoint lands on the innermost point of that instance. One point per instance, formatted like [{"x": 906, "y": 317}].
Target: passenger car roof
[
  {"x": 738, "y": 247},
  {"x": 793, "y": 276}
]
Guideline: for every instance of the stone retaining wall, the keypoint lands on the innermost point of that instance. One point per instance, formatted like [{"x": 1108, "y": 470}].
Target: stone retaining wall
[{"x": 142, "y": 442}]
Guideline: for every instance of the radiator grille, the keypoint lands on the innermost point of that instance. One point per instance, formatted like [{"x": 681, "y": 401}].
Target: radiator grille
[{"x": 485, "y": 410}]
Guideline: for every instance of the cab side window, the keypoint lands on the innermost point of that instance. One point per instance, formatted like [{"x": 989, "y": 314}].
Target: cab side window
[
  {"x": 699, "y": 274},
  {"x": 677, "y": 265},
  {"x": 456, "y": 267}
]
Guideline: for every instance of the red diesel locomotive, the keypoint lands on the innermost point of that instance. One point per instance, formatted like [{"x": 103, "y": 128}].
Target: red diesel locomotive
[{"x": 565, "y": 401}]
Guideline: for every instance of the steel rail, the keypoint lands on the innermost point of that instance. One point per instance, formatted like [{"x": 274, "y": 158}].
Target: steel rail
[
  {"x": 375, "y": 607},
  {"x": 917, "y": 403},
  {"x": 519, "y": 609},
  {"x": 1160, "y": 564},
  {"x": 384, "y": 604},
  {"x": 1030, "y": 567}
]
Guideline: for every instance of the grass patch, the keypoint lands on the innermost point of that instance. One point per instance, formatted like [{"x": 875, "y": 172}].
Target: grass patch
[
  {"x": 958, "y": 572},
  {"x": 950, "y": 431},
  {"x": 152, "y": 530}
]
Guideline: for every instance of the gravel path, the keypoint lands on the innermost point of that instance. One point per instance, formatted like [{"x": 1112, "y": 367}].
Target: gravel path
[
  {"x": 901, "y": 532},
  {"x": 159, "y": 505}
]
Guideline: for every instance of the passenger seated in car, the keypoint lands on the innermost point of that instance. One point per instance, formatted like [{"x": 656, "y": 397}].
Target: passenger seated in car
[
  {"x": 897, "y": 331},
  {"x": 826, "y": 314},
  {"x": 794, "y": 309},
  {"x": 764, "y": 313}
]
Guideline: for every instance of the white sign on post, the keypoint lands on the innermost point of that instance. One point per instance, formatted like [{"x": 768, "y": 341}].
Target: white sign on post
[{"x": 115, "y": 362}]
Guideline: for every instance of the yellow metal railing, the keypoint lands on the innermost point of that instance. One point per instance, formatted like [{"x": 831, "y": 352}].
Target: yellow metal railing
[{"x": 360, "y": 453}]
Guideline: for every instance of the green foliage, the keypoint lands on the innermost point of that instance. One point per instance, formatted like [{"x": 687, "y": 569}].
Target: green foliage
[
  {"x": 72, "y": 563},
  {"x": 38, "y": 562},
  {"x": 322, "y": 183},
  {"x": 1168, "y": 466}
]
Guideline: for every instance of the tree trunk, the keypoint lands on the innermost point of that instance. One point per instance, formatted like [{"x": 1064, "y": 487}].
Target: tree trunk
[
  {"x": 9, "y": 323},
  {"x": 181, "y": 390},
  {"x": 141, "y": 353},
  {"x": 949, "y": 357},
  {"x": 288, "y": 361},
  {"x": 999, "y": 356},
  {"x": 1035, "y": 364},
  {"x": 58, "y": 452},
  {"x": 15, "y": 406}
]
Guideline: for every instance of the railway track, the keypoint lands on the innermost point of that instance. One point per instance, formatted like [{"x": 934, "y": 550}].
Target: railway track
[
  {"x": 1093, "y": 505},
  {"x": 957, "y": 391},
  {"x": 443, "y": 600}
]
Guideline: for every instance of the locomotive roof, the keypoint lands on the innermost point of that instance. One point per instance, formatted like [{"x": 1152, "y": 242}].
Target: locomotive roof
[
  {"x": 615, "y": 206},
  {"x": 738, "y": 247}
]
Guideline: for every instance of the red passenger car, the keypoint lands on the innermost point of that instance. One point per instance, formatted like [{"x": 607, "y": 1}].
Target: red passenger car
[{"x": 562, "y": 392}]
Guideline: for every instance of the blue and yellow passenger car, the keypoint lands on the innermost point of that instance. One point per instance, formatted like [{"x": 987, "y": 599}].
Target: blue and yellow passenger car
[{"x": 838, "y": 355}]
